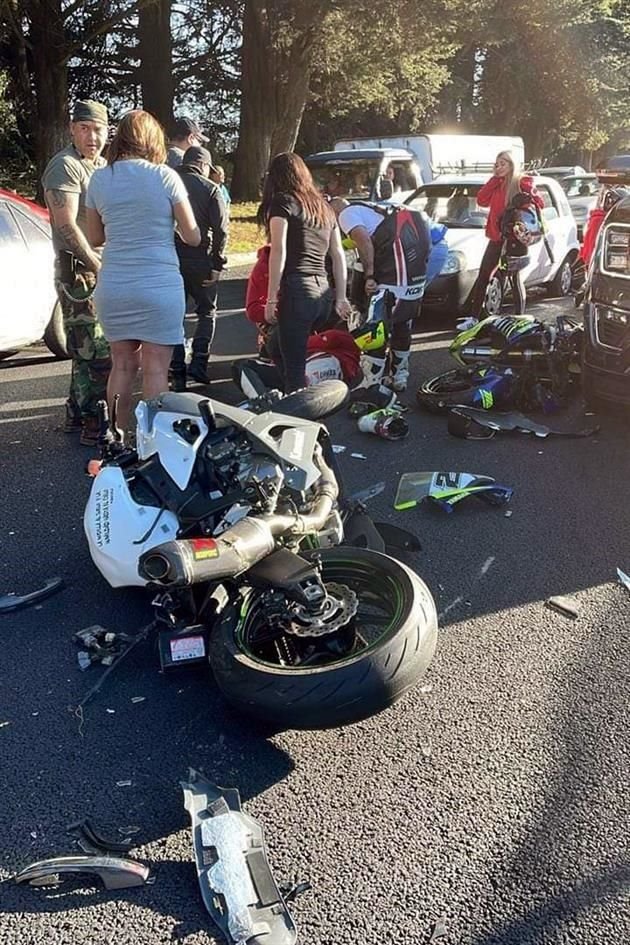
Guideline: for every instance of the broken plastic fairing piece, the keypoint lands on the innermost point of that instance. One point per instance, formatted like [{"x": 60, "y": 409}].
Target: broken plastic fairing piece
[
  {"x": 472, "y": 423},
  {"x": 115, "y": 871},
  {"x": 236, "y": 883},
  {"x": 446, "y": 489},
  {"x": 10, "y": 602}
]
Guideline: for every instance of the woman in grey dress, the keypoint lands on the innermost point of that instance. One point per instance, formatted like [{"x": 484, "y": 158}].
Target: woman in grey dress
[{"x": 133, "y": 205}]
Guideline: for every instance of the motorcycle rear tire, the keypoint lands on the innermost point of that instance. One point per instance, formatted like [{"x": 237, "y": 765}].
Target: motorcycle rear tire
[
  {"x": 316, "y": 402},
  {"x": 440, "y": 393},
  {"x": 347, "y": 690}
]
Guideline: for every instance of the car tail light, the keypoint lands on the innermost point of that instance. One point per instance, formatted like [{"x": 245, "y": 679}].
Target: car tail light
[{"x": 617, "y": 251}]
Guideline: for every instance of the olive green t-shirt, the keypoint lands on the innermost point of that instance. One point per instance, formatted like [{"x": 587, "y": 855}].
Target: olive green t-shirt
[{"x": 69, "y": 172}]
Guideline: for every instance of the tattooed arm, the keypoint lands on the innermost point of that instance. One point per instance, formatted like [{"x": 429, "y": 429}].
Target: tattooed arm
[{"x": 64, "y": 208}]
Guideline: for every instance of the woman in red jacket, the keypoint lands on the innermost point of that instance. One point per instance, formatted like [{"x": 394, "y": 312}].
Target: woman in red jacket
[{"x": 496, "y": 194}]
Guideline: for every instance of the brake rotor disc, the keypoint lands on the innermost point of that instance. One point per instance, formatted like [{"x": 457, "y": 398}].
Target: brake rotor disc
[{"x": 338, "y": 609}]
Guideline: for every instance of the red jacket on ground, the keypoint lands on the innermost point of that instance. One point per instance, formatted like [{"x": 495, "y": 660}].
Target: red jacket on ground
[
  {"x": 493, "y": 195},
  {"x": 257, "y": 283},
  {"x": 342, "y": 345}
]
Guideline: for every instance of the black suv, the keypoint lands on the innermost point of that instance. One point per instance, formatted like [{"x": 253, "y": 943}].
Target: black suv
[{"x": 606, "y": 361}]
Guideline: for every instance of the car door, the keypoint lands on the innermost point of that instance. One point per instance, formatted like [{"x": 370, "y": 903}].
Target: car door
[
  {"x": 41, "y": 261},
  {"x": 15, "y": 324},
  {"x": 541, "y": 268}
]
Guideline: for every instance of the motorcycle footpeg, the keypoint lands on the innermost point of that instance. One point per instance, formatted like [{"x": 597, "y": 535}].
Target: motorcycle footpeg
[{"x": 237, "y": 886}]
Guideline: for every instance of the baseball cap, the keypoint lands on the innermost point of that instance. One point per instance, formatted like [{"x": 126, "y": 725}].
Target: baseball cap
[
  {"x": 198, "y": 155},
  {"x": 89, "y": 110},
  {"x": 182, "y": 127}
]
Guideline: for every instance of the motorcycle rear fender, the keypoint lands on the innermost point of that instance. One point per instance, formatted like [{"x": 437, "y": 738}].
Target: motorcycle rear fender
[
  {"x": 119, "y": 530},
  {"x": 237, "y": 886},
  {"x": 115, "y": 871}
]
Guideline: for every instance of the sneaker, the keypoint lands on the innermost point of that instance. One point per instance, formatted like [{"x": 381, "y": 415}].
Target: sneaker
[{"x": 463, "y": 324}]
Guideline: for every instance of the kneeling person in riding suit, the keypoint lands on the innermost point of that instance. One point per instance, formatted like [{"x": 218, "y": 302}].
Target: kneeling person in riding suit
[
  {"x": 393, "y": 245},
  {"x": 201, "y": 265}
]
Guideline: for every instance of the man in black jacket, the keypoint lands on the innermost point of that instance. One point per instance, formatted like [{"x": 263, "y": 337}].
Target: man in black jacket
[{"x": 201, "y": 265}]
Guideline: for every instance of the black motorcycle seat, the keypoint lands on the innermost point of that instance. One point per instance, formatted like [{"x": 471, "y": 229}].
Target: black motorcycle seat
[{"x": 185, "y": 403}]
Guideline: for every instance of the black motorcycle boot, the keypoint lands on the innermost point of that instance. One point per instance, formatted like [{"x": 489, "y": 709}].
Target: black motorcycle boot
[
  {"x": 177, "y": 379},
  {"x": 72, "y": 420},
  {"x": 198, "y": 367}
]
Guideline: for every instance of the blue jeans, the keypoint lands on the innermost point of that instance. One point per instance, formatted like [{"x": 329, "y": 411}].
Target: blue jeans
[{"x": 299, "y": 307}]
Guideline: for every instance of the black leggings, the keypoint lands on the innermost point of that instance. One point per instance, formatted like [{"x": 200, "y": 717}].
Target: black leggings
[
  {"x": 489, "y": 263},
  {"x": 299, "y": 307}
]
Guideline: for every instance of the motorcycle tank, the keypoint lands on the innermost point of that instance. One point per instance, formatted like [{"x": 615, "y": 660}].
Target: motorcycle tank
[{"x": 119, "y": 530}]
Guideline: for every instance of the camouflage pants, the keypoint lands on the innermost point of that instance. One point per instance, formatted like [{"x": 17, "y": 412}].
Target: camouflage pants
[{"x": 88, "y": 348}]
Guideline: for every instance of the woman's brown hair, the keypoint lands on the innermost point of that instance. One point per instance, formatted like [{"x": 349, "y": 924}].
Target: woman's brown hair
[
  {"x": 288, "y": 174},
  {"x": 138, "y": 135}
]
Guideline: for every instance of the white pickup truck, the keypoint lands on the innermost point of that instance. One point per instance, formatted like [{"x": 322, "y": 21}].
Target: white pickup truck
[{"x": 391, "y": 168}]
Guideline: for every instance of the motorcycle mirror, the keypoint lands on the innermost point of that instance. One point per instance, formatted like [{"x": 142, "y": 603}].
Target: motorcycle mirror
[{"x": 207, "y": 415}]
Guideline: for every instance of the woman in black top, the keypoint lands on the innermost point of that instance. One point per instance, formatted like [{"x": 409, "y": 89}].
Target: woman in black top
[{"x": 301, "y": 229}]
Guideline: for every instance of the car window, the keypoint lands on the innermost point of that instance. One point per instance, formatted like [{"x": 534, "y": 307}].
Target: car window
[
  {"x": 403, "y": 178},
  {"x": 549, "y": 211},
  {"x": 452, "y": 204},
  {"x": 580, "y": 186},
  {"x": 9, "y": 231},
  {"x": 34, "y": 232}
]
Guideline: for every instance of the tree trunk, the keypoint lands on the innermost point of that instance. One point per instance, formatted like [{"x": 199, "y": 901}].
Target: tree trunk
[
  {"x": 50, "y": 79},
  {"x": 258, "y": 114},
  {"x": 156, "y": 59}
]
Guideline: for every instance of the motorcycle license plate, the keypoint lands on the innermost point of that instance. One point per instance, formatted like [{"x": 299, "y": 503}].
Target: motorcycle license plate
[{"x": 184, "y": 649}]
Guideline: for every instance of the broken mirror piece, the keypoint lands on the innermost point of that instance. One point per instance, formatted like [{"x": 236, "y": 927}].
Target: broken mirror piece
[
  {"x": 447, "y": 489},
  {"x": 471, "y": 423},
  {"x": 11, "y": 602},
  {"x": 115, "y": 872},
  {"x": 237, "y": 886}
]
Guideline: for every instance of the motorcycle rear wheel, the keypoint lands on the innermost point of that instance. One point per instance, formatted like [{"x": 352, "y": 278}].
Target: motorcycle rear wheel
[
  {"x": 396, "y": 627},
  {"x": 446, "y": 390}
]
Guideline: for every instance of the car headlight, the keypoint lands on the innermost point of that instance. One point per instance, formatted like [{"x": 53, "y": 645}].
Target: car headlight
[
  {"x": 455, "y": 262},
  {"x": 612, "y": 315},
  {"x": 617, "y": 251}
]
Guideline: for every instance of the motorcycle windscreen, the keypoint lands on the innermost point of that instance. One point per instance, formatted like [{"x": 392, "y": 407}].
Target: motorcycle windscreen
[
  {"x": 414, "y": 487},
  {"x": 237, "y": 886}
]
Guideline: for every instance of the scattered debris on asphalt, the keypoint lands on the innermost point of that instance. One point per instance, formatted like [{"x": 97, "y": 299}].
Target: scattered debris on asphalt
[
  {"x": 623, "y": 578},
  {"x": 338, "y": 448},
  {"x": 358, "y": 455},
  {"x": 567, "y": 606},
  {"x": 123, "y": 783},
  {"x": 439, "y": 930},
  {"x": 115, "y": 872},
  {"x": 12, "y": 601},
  {"x": 88, "y": 830},
  {"x": 99, "y": 645},
  {"x": 237, "y": 886},
  {"x": 364, "y": 495},
  {"x": 136, "y": 699},
  {"x": 473, "y": 423},
  {"x": 446, "y": 489}
]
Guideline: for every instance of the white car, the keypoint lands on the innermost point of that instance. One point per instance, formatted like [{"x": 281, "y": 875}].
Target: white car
[
  {"x": 452, "y": 200},
  {"x": 581, "y": 191},
  {"x": 29, "y": 309}
]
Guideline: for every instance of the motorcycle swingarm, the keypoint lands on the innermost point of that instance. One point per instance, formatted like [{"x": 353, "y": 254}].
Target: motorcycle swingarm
[
  {"x": 115, "y": 871},
  {"x": 237, "y": 886}
]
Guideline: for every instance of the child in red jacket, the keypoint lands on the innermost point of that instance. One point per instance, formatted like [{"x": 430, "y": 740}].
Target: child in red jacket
[{"x": 497, "y": 194}]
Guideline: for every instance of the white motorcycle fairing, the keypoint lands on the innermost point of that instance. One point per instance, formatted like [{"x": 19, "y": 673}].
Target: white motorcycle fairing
[
  {"x": 289, "y": 439},
  {"x": 119, "y": 530}
]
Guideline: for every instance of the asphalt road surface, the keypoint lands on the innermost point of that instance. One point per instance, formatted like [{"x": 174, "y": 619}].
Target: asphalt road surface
[{"x": 491, "y": 804}]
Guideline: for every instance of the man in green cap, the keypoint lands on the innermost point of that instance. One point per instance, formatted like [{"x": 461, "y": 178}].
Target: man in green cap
[{"x": 65, "y": 182}]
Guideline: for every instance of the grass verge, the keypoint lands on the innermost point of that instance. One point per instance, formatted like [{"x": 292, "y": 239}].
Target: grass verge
[{"x": 245, "y": 234}]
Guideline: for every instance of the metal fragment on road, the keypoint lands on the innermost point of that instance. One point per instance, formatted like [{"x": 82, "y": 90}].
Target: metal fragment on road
[
  {"x": 439, "y": 930},
  {"x": 623, "y": 578}
]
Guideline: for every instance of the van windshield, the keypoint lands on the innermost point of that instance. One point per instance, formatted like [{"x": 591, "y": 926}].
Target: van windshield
[
  {"x": 452, "y": 204},
  {"x": 352, "y": 179}
]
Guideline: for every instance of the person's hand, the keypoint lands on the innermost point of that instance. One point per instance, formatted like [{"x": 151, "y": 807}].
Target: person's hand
[
  {"x": 343, "y": 308},
  {"x": 371, "y": 286},
  {"x": 270, "y": 312}
]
